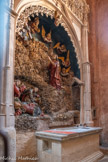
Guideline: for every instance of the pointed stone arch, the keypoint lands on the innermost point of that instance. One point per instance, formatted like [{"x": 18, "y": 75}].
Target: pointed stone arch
[{"x": 24, "y": 10}]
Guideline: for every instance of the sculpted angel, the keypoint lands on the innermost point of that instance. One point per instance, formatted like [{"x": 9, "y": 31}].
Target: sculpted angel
[
  {"x": 60, "y": 48},
  {"x": 57, "y": 18},
  {"x": 46, "y": 37},
  {"x": 65, "y": 65},
  {"x": 34, "y": 25}
]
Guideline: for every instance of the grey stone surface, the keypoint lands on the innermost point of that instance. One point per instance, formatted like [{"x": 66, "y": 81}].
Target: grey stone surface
[
  {"x": 11, "y": 133},
  {"x": 1, "y": 149},
  {"x": 26, "y": 122},
  {"x": 76, "y": 132}
]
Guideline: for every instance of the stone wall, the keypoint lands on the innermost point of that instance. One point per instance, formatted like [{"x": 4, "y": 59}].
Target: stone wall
[
  {"x": 98, "y": 52},
  {"x": 26, "y": 146}
]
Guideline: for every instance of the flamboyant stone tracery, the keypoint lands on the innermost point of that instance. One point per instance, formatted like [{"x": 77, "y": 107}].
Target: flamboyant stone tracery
[{"x": 79, "y": 8}]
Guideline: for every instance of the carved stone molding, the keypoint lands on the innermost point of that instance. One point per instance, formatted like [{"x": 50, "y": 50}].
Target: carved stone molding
[{"x": 31, "y": 11}]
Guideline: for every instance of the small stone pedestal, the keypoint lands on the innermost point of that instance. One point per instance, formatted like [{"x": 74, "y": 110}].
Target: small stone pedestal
[{"x": 69, "y": 145}]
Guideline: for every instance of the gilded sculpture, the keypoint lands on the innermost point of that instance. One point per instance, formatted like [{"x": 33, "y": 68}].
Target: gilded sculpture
[
  {"x": 46, "y": 37},
  {"x": 65, "y": 65},
  {"x": 60, "y": 48},
  {"x": 57, "y": 18},
  {"x": 34, "y": 25}
]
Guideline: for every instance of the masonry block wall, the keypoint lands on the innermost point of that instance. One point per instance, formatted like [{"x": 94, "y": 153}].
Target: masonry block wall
[{"x": 98, "y": 53}]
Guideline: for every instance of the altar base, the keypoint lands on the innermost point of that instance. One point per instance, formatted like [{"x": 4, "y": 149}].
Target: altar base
[{"x": 69, "y": 145}]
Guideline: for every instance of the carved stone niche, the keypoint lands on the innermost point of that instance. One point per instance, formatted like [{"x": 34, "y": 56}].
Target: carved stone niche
[
  {"x": 74, "y": 10},
  {"x": 30, "y": 62}
]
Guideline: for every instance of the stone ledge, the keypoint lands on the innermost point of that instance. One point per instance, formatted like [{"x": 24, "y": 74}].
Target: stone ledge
[
  {"x": 75, "y": 132},
  {"x": 26, "y": 122}
]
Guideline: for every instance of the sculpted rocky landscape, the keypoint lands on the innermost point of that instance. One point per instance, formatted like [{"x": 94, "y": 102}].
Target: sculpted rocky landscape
[{"x": 31, "y": 71}]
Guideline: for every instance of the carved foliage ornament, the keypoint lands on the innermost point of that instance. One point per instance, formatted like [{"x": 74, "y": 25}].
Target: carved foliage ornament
[
  {"x": 78, "y": 7},
  {"x": 30, "y": 11}
]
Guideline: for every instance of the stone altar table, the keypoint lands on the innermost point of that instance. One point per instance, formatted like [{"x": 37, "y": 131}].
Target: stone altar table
[{"x": 73, "y": 144}]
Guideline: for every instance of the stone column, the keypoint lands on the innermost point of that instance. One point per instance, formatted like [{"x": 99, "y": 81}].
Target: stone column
[
  {"x": 7, "y": 119},
  {"x": 87, "y": 116},
  {"x": 81, "y": 99}
]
